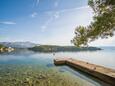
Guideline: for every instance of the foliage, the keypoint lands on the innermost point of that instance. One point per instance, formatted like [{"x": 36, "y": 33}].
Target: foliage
[
  {"x": 54, "y": 48},
  {"x": 1, "y": 46},
  {"x": 102, "y": 26}
]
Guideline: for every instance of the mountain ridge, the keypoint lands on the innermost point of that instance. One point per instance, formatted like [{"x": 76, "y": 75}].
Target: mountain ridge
[{"x": 19, "y": 44}]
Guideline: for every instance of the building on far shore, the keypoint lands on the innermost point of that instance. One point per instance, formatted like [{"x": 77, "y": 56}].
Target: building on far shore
[{"x": 6, "y": 49}]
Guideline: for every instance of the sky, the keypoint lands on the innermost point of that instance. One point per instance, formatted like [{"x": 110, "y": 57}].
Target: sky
[{"x": 45, "y": 21}]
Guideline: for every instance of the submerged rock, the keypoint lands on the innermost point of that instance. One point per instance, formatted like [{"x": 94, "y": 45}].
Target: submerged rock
[
  {"x": 49, "y": 65},
  {"x": 41, "y": 77}
]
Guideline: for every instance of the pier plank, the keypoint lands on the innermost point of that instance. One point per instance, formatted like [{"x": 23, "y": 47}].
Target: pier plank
[{"x": 103, "y": 73}]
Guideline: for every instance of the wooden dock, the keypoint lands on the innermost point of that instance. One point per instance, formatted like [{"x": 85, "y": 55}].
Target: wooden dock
[{"x": 102, "y": 73}]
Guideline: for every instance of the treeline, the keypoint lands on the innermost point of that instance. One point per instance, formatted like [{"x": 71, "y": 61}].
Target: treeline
[
  {"x": 1, "y": 46},
  {"x": 54, "y": 48}
]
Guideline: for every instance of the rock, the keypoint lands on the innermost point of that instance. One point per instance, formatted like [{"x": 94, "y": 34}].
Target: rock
[
  {"x": 27, "y": 79},
  {"x": 49, "y": 65},
  {"x": 41, "y": 77},
  {"x": 49, "y": 82}
]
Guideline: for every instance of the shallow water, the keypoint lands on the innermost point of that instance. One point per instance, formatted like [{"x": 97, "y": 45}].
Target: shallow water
[{"x": 27, "y": 68}]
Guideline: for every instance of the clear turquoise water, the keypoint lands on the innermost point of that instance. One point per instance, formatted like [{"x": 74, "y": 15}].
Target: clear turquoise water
[{"x": 27, "y": 68}]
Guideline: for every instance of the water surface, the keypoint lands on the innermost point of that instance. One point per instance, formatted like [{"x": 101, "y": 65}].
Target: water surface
[{"x": 27, "y": 68}]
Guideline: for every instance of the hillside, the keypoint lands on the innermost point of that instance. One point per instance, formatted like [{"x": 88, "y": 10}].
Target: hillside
[
  {"x": 51, "y": 48},
  {"x": 18, "y": 44}
]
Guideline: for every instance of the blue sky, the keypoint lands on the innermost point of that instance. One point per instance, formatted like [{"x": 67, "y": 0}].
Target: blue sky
[{"x": 44, "y": 21}]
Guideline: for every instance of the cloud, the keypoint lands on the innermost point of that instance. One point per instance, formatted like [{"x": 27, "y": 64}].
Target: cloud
[
  {"x": 53, "y": 16},
  {"x": 34, "y": 14},
  {"x": 56, "y": 3},
  {"x": 56, "y": 14},
  {"x": 74, "y": 9},
  {"x": 45, "y": 25},
  {"x": 104, "y": 42},
  {"x": 37, "y": 2},
  {"x": 8, "y": 22}
]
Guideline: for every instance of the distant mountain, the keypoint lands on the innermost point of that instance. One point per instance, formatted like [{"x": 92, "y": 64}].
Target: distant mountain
[{"x": 19, "y": 44}]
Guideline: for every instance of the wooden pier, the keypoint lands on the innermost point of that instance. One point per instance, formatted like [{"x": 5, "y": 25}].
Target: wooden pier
[{"x": 102, "y": 73}]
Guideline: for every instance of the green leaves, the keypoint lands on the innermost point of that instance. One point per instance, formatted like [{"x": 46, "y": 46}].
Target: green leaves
[
  {"x": 80, "y": 37},
  {"x": 103, "y": 25}
]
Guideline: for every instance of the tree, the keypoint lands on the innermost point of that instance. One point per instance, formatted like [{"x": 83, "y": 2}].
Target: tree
[{"x": 102, "y": 26}]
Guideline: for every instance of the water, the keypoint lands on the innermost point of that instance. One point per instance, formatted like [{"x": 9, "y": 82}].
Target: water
[
  {"x": 105, "y": 57},
  {"x": 27, "y": 68}
]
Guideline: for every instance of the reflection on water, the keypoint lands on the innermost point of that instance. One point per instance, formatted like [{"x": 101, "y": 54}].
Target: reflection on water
[
  {"x": 27, "y": 68},
  {"x": 104, "y": 57}
]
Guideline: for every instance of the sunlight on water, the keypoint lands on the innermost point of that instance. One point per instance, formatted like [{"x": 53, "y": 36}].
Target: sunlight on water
[{"x": 104, "y": 57}]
